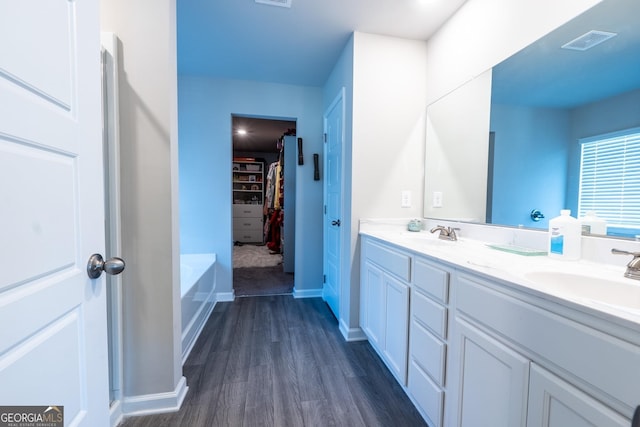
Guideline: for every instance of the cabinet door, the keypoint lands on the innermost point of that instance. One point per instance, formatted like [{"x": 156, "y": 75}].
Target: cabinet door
[
  {"x": 373, "y": 306},
  {"x": 556, "y": 403},
  {"x": 397, "y": 327},
  {"x": 493, "y": 380}
]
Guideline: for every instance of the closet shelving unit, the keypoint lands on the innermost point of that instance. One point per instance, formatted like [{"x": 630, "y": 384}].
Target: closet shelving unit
[{"x": 248, "y": 201}]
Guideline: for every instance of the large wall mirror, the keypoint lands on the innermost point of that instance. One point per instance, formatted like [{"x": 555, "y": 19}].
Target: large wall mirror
[{"x": 513, "y": 135}]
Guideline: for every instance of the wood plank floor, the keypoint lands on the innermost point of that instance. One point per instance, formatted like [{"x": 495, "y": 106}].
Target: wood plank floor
[{"x": 280, "y": 361}]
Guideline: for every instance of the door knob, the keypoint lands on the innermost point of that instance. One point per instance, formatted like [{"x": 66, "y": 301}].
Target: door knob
[
  {"x": 97, "y": 265},
  {"x": 336, "y": 222}
]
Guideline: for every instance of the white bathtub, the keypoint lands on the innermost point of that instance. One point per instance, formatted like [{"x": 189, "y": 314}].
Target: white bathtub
[{"x": 197, "y": 283}]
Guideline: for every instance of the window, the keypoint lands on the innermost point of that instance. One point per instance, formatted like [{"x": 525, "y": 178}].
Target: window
[{"x": 610, "y": 179}]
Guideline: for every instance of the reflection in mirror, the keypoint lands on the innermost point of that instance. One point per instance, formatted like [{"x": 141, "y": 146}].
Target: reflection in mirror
[
  {"x": 457, "y": 184},
  {"x": 545, "y": 100}
]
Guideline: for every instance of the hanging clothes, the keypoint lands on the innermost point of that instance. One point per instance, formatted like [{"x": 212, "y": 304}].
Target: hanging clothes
[
  {"x": 277, "y": 197},
  {"x": 275, "y": 224},
  {"x": 270, "y": 187}
]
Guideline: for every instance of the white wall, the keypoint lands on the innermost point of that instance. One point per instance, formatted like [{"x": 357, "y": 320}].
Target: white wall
[
  {"x": 205, "y": 109},
  {"x": 387, "y": 152},
  {"x": 148, "y": 135}
]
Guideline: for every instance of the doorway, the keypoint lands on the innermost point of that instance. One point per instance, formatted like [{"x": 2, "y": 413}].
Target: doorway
[{"x": 263, "y": 199}]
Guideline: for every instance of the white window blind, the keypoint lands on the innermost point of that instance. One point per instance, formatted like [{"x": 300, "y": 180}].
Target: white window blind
[{"x": 610, "y": 178}]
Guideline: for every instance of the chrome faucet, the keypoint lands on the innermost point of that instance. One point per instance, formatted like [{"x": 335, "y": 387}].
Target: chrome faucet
[
  {"x": 633, "y": 268},
  {"x": 446, "y": 233}
]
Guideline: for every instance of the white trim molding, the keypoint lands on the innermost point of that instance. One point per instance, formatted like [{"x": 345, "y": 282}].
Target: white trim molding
[
  {"x": 351, "y": 334},
  {"x": 225, "y": 296},
  {"x": 307, "y": 293},
  {"x": 157, "y": 403}
]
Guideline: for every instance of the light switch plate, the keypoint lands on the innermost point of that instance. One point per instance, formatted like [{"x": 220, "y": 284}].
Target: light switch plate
[
  {"x": 437, "y": 199},
  {"x": 406, "y": 199}
]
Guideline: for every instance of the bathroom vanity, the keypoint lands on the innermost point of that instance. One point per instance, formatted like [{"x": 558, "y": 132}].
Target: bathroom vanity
[{"x": 481, "y": 337}]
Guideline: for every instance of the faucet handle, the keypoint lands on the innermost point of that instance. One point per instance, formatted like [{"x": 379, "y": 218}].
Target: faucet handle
[
  {"x": 452, "y": 232},
  {"x": 633, "y": 267},
  {"x": 621, "y": 252}
]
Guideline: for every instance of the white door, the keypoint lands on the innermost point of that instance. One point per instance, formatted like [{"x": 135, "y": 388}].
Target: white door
[
  {"x": 53, "y": 338},
  {"x": 373, "y": 311},
  {"x": 333, "y": 125},
  {"x": 396, "y": 327}
]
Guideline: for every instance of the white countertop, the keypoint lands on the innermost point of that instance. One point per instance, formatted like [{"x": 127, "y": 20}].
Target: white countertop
[{"x": 596, "y": 288}]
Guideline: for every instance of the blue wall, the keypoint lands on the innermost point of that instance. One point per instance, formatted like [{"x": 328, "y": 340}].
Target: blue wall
[
  {"x": 546, "y": 173},
  {"x": 530, "y": 163},
  {"x": 205, "y": 107}
]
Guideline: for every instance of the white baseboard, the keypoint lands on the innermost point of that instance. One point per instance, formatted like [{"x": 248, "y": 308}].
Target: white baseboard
[
  {"x": 307, "y": 293},
  {"x": 157, "y": 403},
  {"x": 351, "y": 334},
  {"x": 115, "y": 413},
  {"x": 224, "y": 296}
]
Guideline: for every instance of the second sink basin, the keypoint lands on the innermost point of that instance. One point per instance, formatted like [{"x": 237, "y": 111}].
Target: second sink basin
[{"x": 617, "y": 294}]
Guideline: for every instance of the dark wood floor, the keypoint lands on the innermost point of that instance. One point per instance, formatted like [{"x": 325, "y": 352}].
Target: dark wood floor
[{"x": 279, "y": 361}]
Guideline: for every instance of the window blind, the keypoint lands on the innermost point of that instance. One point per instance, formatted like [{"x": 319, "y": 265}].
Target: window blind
[{"x": 610, "y": 178}]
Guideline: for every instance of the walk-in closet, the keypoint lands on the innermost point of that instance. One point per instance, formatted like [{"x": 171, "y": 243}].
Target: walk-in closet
[{"x": 263, "y": 200}]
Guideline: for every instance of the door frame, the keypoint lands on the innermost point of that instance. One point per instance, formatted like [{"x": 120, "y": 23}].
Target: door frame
[
  {"x": 294, "y": 175},
  {"x": 113, "y": 219}
]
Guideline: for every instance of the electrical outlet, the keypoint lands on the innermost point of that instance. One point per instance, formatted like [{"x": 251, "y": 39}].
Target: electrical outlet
[
  {"x": 406, "y": 199},
  {"x": 437, "y": 199}
]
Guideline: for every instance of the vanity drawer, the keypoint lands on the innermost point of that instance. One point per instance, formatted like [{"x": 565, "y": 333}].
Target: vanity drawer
[
  {"x": 429, "y": 313},
  {"x": 389, "y": 259},
  {"x": 428, "y": 396},
  {"x": 428, "y": 352},
  {"x": 431, "y": 280}
]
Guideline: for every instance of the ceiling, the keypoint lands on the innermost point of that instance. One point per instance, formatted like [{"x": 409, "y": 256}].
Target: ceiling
[
  {"x": 261, "y": 134},
  {"x": 543, "y": 74},
  {"x": 246, "y": 40}
]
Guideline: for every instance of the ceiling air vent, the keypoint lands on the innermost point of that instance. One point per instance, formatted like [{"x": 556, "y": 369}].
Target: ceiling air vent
[
  {"x": 589, "y": 40},
  {"x": 281, "y": 3}
]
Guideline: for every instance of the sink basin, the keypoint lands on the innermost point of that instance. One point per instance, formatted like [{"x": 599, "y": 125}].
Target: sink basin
[
  {"x": 425, "y": 239},
  {"x": 612, "y": 294}
]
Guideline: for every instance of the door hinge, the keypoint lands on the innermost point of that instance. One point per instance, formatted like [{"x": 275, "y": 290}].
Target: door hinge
[
  {"x": 325, "y": 209},
  {"x": 325, "y": 137},
  {"x": 324, "y": 278}
]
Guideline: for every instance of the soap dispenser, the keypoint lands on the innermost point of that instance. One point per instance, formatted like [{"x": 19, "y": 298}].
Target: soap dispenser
[{"x": 565, "y": 237}]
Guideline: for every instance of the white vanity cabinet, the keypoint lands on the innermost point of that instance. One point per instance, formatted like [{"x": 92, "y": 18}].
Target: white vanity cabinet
[
  {"x": 504, "y": 349},
  {"x": 471, "y": 349},
  {"x": 384, "y": 302}
]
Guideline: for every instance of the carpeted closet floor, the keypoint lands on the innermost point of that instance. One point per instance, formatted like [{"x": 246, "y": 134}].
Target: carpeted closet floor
[{"x": 257, "y": 272}]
